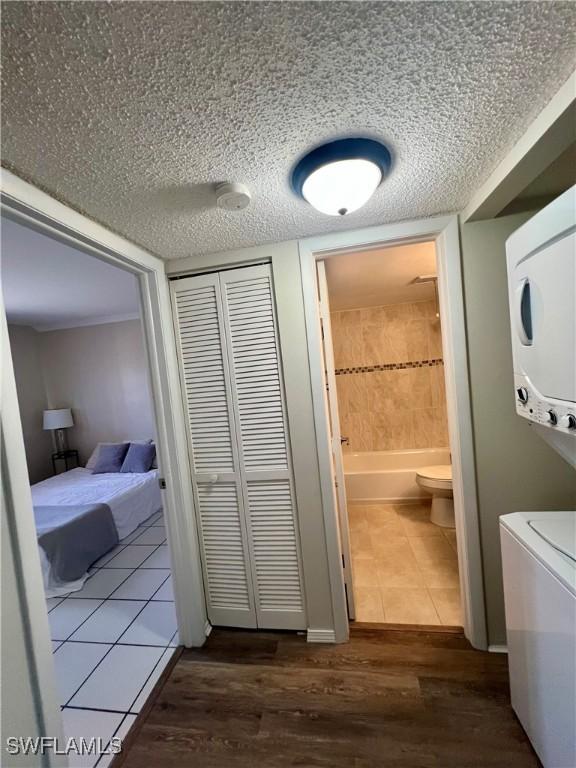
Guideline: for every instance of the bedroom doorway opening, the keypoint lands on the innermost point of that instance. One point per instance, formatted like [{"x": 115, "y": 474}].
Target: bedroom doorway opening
[{"x": 84, "y": 392}]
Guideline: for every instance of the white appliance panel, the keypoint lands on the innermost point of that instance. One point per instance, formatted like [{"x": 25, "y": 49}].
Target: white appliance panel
[
  {"x": 541, "y": 259},
  {"x": 540, "y": 599},
  {"x": 549, "y": 361}
]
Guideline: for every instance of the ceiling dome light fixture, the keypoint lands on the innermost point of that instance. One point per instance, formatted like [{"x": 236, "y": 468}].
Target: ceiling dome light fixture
[{"x": 341, "y": 176}]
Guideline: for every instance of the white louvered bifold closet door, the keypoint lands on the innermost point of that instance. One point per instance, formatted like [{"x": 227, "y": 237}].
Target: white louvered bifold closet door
[
  {"x": 240, "y": 455},
  {"x": 258, "y": 396},
  {"x": 213, "y": 451}
]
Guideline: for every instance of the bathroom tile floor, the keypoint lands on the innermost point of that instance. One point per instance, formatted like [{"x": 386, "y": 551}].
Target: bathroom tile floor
[
  {"x": 113, "y": 639},
  {"x": 405, "y": 567}
]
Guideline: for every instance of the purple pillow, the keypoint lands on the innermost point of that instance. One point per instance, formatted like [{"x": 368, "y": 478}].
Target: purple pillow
[
  {"x": 110, "y": 458},
  {"x": 139, "y": 458}
]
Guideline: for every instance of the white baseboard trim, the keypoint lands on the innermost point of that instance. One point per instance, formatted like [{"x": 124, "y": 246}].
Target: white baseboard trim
[
  {"x": 321, "y": 636},
  {"x": 207, "y": 628},
  {"x": 497, "y": 649}
]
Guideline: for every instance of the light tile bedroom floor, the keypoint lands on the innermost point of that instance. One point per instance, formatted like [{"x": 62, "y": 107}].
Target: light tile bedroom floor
[
  {"x": 113, "y": 639},
  {"x": 405, "y": 567}
]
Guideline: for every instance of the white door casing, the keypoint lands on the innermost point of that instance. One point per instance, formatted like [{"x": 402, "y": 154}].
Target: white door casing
[
  {"x": 333, "y": 418},
  {"x": 443, "y": 230},
  {"x": 31, "y": 207}
]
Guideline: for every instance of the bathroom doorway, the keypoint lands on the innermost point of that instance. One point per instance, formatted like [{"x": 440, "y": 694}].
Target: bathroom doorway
[
  {"x": 387, "y": 402},
  {"x": 443, "y": 232}
]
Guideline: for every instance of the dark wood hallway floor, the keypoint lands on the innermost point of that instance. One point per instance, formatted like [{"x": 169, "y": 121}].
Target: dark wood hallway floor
[{"x": 387, "y": 698}]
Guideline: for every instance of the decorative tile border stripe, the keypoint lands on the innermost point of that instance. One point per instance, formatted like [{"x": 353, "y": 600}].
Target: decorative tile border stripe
[{"x": 391, "y": 366}]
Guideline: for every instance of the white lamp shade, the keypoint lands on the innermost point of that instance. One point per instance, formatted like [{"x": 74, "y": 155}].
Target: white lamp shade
[
  {"x": 343, "y": 186},
  {"x": 58, "y": 418}
]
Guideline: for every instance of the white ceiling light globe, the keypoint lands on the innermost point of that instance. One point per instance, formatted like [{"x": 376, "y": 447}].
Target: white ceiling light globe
[
  {"x": 343, "y": 186},
  {"x": 340, "y": 176}
]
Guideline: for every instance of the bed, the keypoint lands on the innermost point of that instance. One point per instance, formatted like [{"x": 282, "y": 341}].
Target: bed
[{"x": 131, "y": 498}]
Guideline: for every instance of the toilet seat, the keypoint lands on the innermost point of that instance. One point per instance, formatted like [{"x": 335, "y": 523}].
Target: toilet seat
[{"x": 438, "y": 476}]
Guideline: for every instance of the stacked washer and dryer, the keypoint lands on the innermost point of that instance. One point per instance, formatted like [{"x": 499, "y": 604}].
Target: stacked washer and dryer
[{"x": 539, "y": 548}]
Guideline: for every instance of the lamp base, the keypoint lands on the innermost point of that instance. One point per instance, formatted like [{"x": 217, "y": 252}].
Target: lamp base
[{"x": 61, "y": 440}]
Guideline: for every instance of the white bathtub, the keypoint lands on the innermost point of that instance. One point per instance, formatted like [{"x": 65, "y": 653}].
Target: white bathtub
[{"x": 389, "y": 475}]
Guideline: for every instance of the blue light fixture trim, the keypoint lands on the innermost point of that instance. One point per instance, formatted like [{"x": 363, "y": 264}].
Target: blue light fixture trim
[{"x": 341, "y": 149}]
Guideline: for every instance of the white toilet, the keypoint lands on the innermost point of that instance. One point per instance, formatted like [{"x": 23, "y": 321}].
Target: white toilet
[{"x": 437, "y": 481}]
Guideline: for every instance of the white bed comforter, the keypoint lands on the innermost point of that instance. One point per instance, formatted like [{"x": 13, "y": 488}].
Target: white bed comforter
[{"x": 132, "y": 498}]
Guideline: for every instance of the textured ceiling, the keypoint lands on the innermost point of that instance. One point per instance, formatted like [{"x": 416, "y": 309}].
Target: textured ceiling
[
  {"x": 49, "y": 285},
  {"x": 380, "y": 276},
  {"x": 130, "y": 111}
]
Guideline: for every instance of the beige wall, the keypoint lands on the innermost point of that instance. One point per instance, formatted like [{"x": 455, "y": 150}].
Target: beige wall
[
  {"x": 99, "y": 371},
  {"x": 32, "y": 400},
  {"x": 390, "y": 408},
  {"x": 515, "y": 469}
]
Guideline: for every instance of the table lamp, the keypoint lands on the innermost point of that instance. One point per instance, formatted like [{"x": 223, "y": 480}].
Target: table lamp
[{"x": 59, "y": 419}]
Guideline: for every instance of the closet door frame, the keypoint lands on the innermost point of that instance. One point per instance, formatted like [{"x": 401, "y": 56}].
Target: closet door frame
[{"x": 325, "y": 595}]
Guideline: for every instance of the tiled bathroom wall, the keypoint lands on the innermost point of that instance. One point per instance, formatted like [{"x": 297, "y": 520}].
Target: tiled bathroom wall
[{"x": 390, "y": 377}]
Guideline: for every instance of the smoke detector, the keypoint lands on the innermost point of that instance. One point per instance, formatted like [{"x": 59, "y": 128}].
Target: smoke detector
[{"x": 231, "y": 196}]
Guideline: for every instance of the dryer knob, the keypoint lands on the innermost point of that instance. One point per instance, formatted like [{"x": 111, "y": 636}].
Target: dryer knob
[
  {"x": 522, "y": 393},
  {"x": 551, "y": 418},
  {"x": 568, "y": 421}
]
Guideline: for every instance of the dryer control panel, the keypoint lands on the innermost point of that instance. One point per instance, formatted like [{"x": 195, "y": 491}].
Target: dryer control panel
[{"x": 550, "y": 413}]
